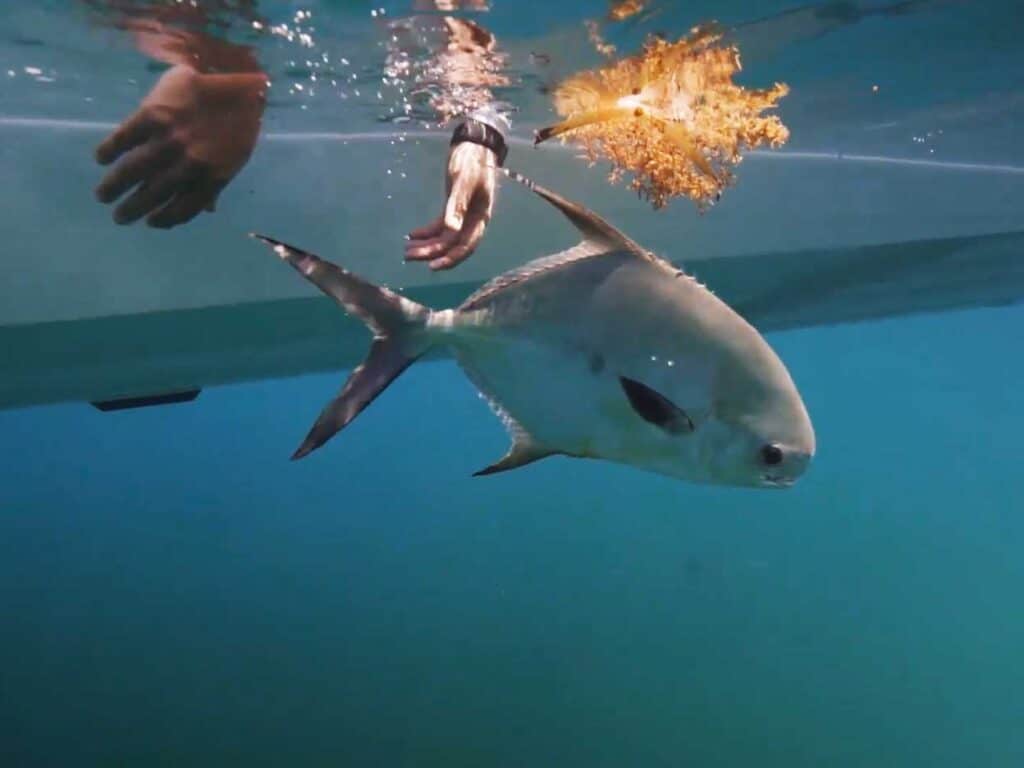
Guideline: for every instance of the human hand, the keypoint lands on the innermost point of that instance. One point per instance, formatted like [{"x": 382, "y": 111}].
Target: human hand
[
  {"x": 190, "y": 136},
  {"x": 454, "y": 235}
]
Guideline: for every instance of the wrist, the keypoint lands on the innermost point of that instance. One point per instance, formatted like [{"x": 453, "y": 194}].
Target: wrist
[
  {"x": 483, "y": 133},
  {"x": 245, "y": 87}
]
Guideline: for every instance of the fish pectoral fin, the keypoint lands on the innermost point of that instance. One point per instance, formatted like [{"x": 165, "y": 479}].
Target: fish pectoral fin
[
  {"x": 654, "y": 408},
  {"x": 521, "y": 453}
]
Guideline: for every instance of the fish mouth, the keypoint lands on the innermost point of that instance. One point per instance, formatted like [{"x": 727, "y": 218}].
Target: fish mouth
[{"x": 777, "y": 481}]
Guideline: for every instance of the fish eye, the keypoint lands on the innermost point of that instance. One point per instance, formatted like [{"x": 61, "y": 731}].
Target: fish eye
[{"x": 771, "y": 455}]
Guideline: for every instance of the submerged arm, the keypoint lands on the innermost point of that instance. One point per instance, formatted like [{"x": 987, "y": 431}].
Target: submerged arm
[
  {"x": 478, "y": 148},
  {"x": 193, "y": 132}
]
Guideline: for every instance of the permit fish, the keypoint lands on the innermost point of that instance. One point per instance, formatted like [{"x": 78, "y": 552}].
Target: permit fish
[{"x": 602, "y": 351}]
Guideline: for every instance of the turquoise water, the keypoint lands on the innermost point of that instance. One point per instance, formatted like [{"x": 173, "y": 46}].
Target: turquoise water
[
  {"x": 173, "y": 591},
  {"x": 176, "y": 592}
]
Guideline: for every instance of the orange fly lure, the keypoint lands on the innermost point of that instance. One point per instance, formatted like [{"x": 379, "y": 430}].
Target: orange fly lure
[{"x": 671, "y": 116}]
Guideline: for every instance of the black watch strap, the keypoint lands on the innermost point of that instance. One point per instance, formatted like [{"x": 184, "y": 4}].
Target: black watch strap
[{"x": 483, "y": 134}]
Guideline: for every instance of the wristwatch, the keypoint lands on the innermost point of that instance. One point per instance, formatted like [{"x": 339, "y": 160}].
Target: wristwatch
[{"x": 481, "y": 133}]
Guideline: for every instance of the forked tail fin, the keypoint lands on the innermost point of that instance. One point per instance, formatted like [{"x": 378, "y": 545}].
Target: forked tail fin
[{"x": 399, "y": 338}]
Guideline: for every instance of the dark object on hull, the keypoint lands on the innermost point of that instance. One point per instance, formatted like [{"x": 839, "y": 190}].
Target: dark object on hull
[{"x": 129, "y": 403}]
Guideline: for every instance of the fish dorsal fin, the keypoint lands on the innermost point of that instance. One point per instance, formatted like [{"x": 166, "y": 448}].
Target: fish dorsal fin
[
  {"x": 530, "y": 270},
  {"x": 595, "y": 230},
  {"x": 599, "y": 238}
]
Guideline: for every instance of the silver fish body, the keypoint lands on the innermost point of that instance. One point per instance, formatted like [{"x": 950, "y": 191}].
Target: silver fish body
[{"x": 602, "y": 351}]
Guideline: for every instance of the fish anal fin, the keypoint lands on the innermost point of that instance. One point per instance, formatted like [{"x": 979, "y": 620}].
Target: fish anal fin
[
  {"x": 525, "y": 449},
  {"x": 521, "y": 453}
]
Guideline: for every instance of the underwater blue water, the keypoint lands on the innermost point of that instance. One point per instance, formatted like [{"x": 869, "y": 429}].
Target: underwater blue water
[{"x": 176, "y": 592}]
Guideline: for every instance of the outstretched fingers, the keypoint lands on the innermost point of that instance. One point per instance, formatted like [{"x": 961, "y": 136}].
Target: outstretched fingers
[
  {"x": 132, "y": 132},
  {"x": 424, "y": 250},
  {"x": 433, "y": 229},
  {"x": 471, "y": 236},
  {"x": 149, "y": 195},
  {"x": 138, "y": 165},
  {"x": 188, "y": 204}
]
